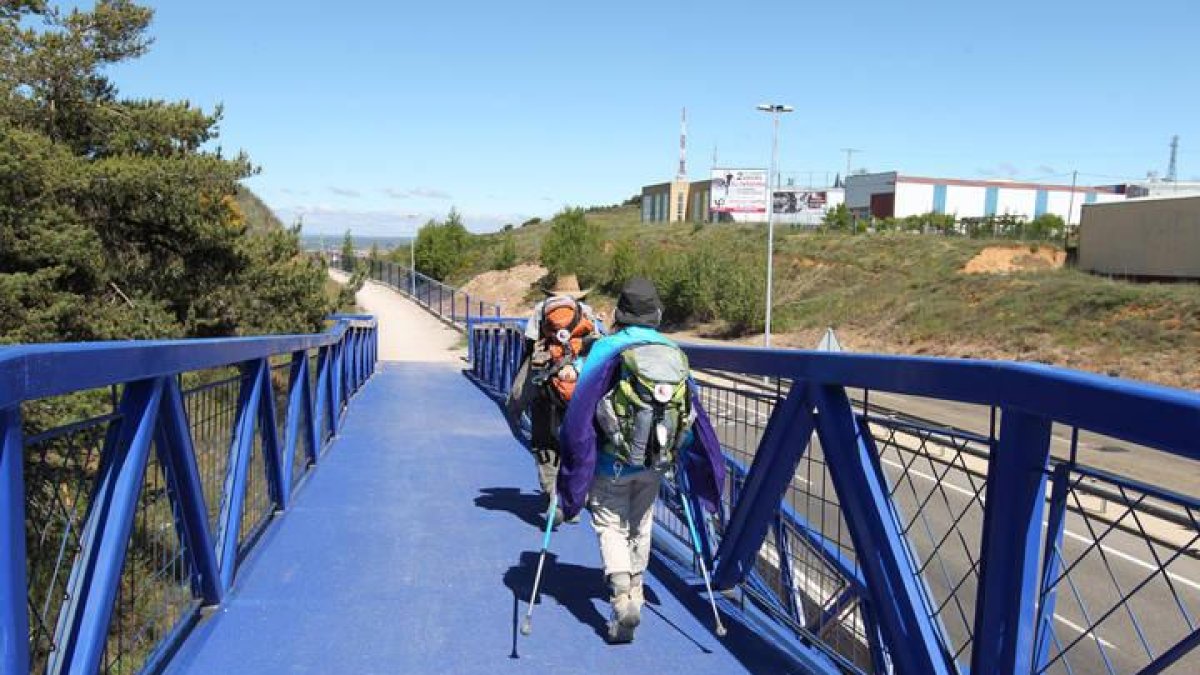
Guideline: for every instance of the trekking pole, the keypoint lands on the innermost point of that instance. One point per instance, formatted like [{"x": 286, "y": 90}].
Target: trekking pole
[
  {"x": 712, "y": 600},
  {"x": 527, "y": 625}
]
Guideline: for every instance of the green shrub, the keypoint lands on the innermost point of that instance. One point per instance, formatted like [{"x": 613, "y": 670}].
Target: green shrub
[
  {"x": 507, "y": 257},
  {"x": 838, "y": 219},
  {"x": 1045, "y": 227},
  {"x": 623, "y": 264},
  {"x": 573, "y": 247},
  {"x": 441, "y": 246}
]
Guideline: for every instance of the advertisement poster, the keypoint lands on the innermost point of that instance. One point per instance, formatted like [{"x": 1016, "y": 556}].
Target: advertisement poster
[
  {"x": 739, "y": 191},
  {"x": 799, "y": 201}
]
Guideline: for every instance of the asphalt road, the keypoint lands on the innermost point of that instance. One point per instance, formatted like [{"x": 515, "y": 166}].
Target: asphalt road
[{"x": 940, "y": 486}]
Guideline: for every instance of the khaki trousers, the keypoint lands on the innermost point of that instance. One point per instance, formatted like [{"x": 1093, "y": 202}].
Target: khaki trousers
[{"x": 622, "y": 511}]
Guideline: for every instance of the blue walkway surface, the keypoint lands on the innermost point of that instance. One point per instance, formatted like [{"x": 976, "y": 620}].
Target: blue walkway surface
[{"x": 412, "y": 548}]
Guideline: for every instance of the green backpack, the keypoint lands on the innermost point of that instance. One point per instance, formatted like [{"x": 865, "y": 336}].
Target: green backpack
[{"x": 647, "y": 414}]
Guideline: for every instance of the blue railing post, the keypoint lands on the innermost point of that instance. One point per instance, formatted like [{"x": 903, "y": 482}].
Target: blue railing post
[
  {"x": 1051, "y": 562},
  {"x": 324, "y": 400},
  {"x": 14, "y": 617},
  {"x": 336, "y": 388},
  {"x": 893, "y": 586},
  {"x": 177, "y": 456},
  {"x": 783, "y": 443},
  {"x": 240, "y": 448},
  {"x": 783, "y": 550},
  {"x": 298, "y": 405},
  {"x": 92, "y": 587},
  {"x": 269, "y": 433},
  {"x": 1005, "y": 618}
]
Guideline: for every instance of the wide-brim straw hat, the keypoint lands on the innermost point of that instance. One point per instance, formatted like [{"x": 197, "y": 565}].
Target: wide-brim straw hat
[{"x": 568, "y": 285}]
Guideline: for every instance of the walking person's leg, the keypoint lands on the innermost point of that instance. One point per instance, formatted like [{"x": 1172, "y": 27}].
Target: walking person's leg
[
  {"x": 643, "y": 492},
  {"x": 609, "y": 505}
]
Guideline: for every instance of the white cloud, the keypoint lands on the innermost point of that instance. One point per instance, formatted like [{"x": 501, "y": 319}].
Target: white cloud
[
  {"x": 1000, "y": 170},
  {"x": 345, "y": 192},
  {"x": 417, "y": 193}
]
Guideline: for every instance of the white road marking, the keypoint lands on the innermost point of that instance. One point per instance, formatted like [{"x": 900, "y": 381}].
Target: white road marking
[
  {"x": 946, "y": 484},
  {"x": 1078, "y": 537},
  {"x": 1083, "y": 631}
]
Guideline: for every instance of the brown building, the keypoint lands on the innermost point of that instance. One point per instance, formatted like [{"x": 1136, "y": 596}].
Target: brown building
[
  {"x": 676, "y": 202},
  {"x": 1150, "y": 238},
  {"x": 665, "y": 202}
]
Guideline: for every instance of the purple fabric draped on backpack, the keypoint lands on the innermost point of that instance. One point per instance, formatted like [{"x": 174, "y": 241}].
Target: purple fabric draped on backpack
[{"x": 578, "y": 445}]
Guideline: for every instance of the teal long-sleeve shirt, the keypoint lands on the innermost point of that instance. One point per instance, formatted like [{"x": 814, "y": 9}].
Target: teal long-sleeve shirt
[{"x": 609, "y": 347}]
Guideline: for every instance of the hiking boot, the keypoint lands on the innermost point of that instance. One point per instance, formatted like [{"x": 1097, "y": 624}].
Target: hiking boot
[
  {"x": 624, "y": 619},
  {"x": 626, "y": 613},
  {"x": 637, "y": 592}
]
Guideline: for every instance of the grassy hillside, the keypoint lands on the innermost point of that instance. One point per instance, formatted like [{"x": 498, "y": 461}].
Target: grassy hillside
[
  {"x": 258, "y": 215},
  {"x": 907, "y": 293}
]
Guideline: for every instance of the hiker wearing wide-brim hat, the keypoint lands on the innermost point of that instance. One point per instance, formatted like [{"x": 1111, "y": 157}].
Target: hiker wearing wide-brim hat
[
  {"x": 557, "y": 336},
  {"x": 566, "y": 285}
]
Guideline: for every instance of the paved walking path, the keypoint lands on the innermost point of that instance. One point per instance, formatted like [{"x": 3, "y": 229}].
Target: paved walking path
[{"x": 406, "y": 331}]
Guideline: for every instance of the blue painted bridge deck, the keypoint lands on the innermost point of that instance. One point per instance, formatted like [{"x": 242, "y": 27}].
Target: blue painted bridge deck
[{"x": 412, "y": 547}]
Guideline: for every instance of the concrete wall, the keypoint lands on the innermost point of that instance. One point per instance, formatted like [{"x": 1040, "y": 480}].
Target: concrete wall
[
  {"x": 700, "y": 201},
  {"x": 964, "y": 201},
  {"x": 860, "y": 188},
  {"x": 656, "y": 202},
  {"x": 913, "y": 199},
  {"x": 1011, "y": 202},
  {"x": 1142, "y": 238}
]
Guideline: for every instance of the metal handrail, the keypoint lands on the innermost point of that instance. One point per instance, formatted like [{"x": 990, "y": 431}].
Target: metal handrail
[
  {"x": 151, "y": 424},
  {"x": 913, "y": 498}
]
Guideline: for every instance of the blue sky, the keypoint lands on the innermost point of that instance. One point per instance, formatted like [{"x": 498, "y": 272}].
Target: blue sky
[{"x": 377, "y": 115}]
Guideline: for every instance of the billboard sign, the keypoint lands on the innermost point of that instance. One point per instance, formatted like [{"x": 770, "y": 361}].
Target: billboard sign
[
  {"x": 800, "y": 201},
  {"x": 738, "y": 191}
]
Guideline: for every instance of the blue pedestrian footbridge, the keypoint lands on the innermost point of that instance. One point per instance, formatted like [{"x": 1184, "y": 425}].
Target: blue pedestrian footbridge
[{"x": 291, "y": 503}]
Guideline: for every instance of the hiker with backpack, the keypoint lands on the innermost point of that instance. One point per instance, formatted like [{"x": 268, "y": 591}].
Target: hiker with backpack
[
  {"x": 557, "y": 337},
  {"x": 634, "y": 419}
]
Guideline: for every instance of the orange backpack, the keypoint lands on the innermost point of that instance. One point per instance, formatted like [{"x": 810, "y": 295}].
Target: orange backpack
[{"x": 564, "y": 326}]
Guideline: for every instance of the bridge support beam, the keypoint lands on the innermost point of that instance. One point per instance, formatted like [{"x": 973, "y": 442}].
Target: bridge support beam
[
  {"x": 893, "y": 587},
  {"x": 1005, "y": 606},
  {"x": 177, "y": 457},
  {"x": 14, "y": 617},
  {"x": 783, "y": 443},
  {"x": 92, "y": 587},
  {"x": 324, "y": 403},
  {"x": 240, "y": 449}
]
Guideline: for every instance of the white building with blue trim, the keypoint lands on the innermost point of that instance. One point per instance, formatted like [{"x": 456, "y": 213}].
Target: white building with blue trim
[{"x": 895, "y": 195}]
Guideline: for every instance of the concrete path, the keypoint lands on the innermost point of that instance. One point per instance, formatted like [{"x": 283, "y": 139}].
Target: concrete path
[{"x": 406, "y": 331}]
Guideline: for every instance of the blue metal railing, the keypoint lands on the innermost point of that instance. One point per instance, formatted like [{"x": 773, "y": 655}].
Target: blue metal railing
[
  {"x": 118, "y": 528},
  {"x": 886, "y": 542}
]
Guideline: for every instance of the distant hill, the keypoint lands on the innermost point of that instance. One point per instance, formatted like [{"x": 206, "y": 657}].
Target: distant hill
[
  {"x": 333, "y": 242},
  {"x": 258, "y": 215}
]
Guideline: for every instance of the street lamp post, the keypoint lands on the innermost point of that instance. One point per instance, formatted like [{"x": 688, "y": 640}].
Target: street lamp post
[{"x": 776, "y": 110}]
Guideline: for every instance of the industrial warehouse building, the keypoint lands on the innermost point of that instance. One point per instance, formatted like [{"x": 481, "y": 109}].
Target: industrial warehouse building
[
  {"x": 894, "y": 195},
  {"x": 1149, "y": 238}
]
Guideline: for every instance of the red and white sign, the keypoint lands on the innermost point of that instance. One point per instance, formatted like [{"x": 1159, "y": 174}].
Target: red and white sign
[{"x": 738, "y": 191}]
